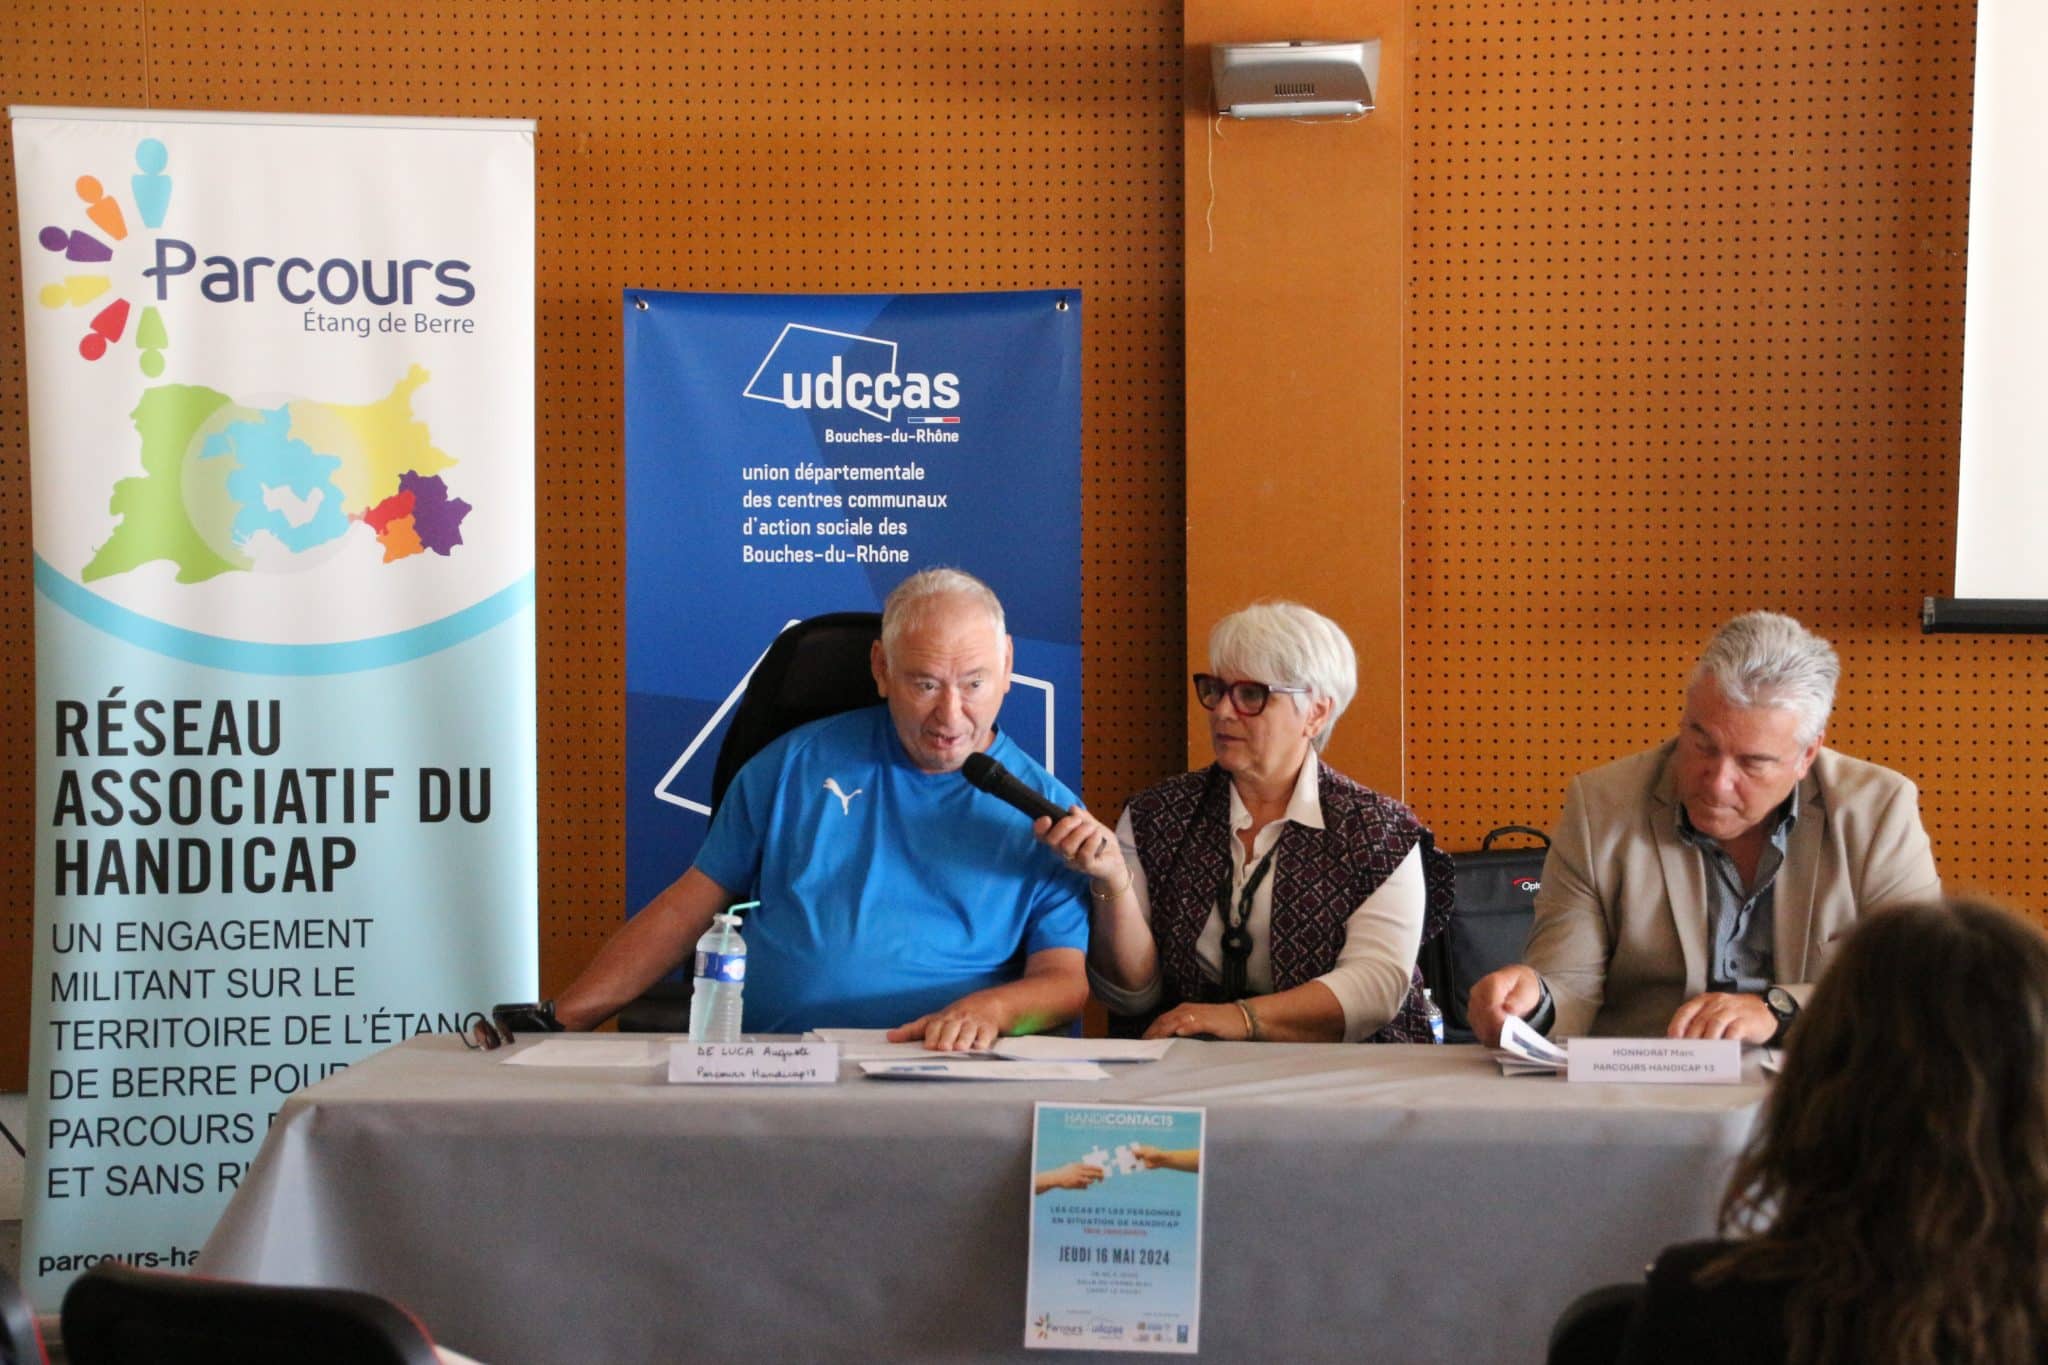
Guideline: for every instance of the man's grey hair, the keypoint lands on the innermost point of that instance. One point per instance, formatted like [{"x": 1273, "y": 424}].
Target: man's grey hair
[
  {"x": 911, "y": 603},
  {"x": 1285, "y": 642},
  {"x": 1765, "y": 659}
]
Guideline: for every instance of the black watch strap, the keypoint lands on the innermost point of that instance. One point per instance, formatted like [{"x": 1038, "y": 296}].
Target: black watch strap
[
  {"x": 1784, "y": 1007},
  {"x": 526, "y": 1017}
]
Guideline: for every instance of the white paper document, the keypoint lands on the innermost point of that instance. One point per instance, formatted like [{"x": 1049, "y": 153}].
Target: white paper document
[
  {"x": 872, "y": 1044},
  {"x": 1525, "y": 1052},
  {"x": 1046, "y": 1047},
  {"x": 592, "y": 1053},
  {"x": 982, "y": 1069}
]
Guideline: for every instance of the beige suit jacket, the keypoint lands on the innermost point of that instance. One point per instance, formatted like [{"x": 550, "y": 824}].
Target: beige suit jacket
[{"x": 1621, "y": 934}]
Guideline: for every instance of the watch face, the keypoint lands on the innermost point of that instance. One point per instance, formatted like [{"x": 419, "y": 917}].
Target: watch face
[{"x": 1781, "y": 1002}]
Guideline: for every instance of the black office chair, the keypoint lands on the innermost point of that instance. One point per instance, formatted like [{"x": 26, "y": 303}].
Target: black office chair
[
  {"x": 816, "y": 668},
  {"x": 117, "y": 1315},
  {"x": 20, "y": 1342},
  {"x": 1593, "y": 1326}
]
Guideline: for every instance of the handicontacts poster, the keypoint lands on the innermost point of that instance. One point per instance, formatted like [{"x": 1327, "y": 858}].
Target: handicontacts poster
[
  {"x": 280, "y": 379},
  {"x": 1116, "y": 1229}
]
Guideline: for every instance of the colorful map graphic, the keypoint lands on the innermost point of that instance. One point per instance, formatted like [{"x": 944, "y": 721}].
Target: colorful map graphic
[{"x": 229, "y": 488}]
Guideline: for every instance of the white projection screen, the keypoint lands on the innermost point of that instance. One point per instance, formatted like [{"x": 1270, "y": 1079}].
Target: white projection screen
[{"x": 2002, "y": 503}]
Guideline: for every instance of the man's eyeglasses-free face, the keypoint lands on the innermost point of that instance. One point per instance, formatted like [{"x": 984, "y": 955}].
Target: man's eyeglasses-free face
[{"x": 1249, "y": 698}]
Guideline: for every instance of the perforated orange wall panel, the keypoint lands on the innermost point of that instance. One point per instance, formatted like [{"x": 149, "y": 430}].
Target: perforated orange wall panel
[
  {"x": 859, "y": 145},
  {"x": 1686, "y": 302},
  {"x": 1294, "y": 254}
]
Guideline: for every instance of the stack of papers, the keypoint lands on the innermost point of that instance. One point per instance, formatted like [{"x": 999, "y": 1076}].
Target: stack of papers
[
  {"x": 941, "y": 1067},
  {"x": 873, "y": 1045},
  {"x": 1040, "y": 1058},
  {"x": 1525, "y": 1052},
  {"x": 1011, "y": 1059},
  {"x": 1045, "y": 1047}
]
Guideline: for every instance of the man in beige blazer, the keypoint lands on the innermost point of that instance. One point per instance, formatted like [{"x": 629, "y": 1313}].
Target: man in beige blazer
[{"x": 1696, "y": 890}]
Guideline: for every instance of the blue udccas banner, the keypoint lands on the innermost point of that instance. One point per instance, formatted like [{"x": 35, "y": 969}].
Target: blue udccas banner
[
  {"x": 280, "y": 377},
  {"x": 791, "y": 455}
]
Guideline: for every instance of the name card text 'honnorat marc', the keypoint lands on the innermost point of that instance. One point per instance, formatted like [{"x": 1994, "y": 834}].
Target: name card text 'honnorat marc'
[{"x": 1659, "y": 1061}]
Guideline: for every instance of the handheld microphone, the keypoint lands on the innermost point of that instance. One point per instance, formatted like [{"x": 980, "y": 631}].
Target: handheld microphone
[{"x": 999, "y": 782}]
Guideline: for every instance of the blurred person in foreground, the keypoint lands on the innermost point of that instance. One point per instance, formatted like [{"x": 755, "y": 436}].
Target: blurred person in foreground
[
  {"x": 1696, "y": 890},
  {"x": 1892, "y": 1206},
  {"x": 1268, "y": 896}
]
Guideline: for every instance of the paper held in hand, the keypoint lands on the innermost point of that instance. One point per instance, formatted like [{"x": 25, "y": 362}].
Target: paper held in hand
[{"x": 1525, "y": 1052}]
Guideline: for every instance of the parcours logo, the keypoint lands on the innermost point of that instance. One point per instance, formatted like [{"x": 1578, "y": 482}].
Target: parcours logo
[
  {"x": 812, "y": 367},
  {"x": 337, "y": 280},
  {"x": 90, "y": 248}
]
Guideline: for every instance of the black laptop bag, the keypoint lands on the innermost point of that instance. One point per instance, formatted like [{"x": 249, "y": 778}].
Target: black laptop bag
[{"x": 1489, "y": 926}]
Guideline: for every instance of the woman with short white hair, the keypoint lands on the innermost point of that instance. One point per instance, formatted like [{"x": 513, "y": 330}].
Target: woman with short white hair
[{"x": 1268, "y": 896}]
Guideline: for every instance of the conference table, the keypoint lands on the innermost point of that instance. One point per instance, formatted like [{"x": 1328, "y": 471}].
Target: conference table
[{"x": 1379, "y": 1204}]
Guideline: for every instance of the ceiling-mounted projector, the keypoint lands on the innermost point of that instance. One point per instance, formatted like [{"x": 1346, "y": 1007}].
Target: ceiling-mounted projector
[{"x": 1294, "y": 80}]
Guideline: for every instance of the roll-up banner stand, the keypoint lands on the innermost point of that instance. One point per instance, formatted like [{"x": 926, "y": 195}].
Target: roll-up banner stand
[{"x": 280, "y": 376}]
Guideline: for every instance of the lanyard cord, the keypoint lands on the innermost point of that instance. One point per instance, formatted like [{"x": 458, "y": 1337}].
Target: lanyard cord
[{"x": 1237, "y": 938}]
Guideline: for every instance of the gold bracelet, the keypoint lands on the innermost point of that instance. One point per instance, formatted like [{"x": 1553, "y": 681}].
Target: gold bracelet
[
  {"x": 1114, "y": 894},
  {"x": 1251, "y": 1021}
]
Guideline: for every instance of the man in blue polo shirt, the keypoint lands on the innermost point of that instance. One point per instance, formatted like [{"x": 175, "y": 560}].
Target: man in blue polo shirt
[{"x": 893, "y": 892}]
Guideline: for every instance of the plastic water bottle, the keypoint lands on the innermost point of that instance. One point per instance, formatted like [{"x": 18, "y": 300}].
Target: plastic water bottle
[
  {"x": 720, "y": 975},
  {"x": 1436, "y": 1017}
]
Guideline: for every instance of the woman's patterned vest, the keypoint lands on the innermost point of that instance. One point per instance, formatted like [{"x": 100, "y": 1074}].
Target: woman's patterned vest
[{"x": 1320, "y": 876}]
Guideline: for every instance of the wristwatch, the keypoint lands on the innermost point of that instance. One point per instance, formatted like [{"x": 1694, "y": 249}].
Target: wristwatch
[
  {"x": 522, "y": 1017},
  {"x": 1784, "y": 1007}
]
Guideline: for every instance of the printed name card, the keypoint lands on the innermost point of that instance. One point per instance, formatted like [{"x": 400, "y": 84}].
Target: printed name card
[
  {"x": 1657, "y": 1061},
  {"x": 753, "y": 1063}
]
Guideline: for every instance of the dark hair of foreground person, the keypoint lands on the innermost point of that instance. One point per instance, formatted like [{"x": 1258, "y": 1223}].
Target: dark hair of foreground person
[{"x": 1894, "y": 1198}]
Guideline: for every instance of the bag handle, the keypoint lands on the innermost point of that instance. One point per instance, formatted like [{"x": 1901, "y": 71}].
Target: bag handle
[{"x": 1486, "y": 844}]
